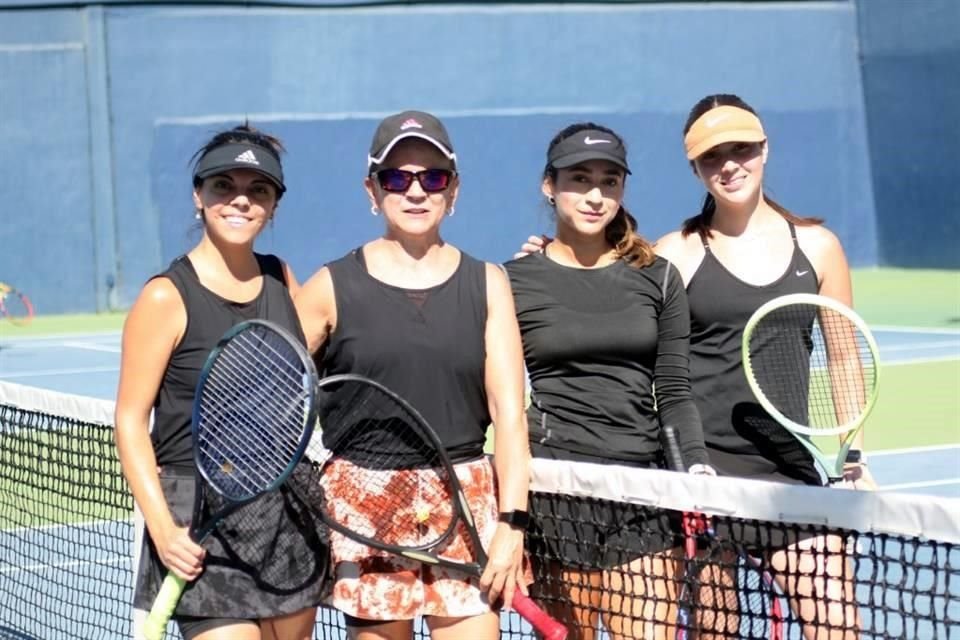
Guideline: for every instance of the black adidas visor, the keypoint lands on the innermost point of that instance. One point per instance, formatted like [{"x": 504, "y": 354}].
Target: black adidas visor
[{"x": 240, "y": 155}]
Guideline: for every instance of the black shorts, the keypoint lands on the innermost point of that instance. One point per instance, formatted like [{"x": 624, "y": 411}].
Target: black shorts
[
  {"x": 593, "y": 534},
  {"x": 269, "y": 558}
]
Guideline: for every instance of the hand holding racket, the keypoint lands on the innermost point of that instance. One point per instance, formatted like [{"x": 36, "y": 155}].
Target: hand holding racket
[
  {"x": 758, "y": 591},
  {"x": 405, "y": 496},
  {"x": 253, "y": 416},
  {"x": 813, "y": 365}
]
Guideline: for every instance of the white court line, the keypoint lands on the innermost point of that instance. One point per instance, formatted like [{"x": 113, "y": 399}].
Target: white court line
[
  {"x": 912, "y": 450},
  {"x": 91, "y": 346},
  {"x": 918, "y": 485},
  {"x": 64, "y": 565},
  {"x": 921, "y": 346},
  {"x": 899, "y": 329},
  {"x": 895, "y": 363},
  {"x": 57, "y": 372}
]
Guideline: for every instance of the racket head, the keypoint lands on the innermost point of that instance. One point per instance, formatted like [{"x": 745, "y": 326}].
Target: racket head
[
  {"x": 388, "y": 481},
  {"x": 15, "y": 306},
  {"x": 254, "y": 410},
  {"x": 812, "y": 364}
]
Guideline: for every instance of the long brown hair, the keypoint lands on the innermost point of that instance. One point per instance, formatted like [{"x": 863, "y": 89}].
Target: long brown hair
[
  {"x": 700, "y": 223},
  {"x": 621, "y": 232}
]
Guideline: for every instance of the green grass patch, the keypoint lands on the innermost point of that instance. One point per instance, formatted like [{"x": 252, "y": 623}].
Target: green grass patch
[
  {"x": 908, "y": 297},
  {"x": 73, "y": 323}
]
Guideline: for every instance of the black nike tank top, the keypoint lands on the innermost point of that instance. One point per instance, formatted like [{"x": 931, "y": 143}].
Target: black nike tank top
[
  {"x": 427, "y": 345},
  {"x": 741, "y": 438},
  {"x": 209, "y": 316}
]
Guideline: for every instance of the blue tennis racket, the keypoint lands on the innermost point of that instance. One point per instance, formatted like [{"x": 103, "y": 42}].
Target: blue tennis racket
[{"x": 253, "y": 416}]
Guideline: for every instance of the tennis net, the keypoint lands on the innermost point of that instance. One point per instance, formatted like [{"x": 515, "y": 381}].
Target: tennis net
[{"x": 607, "y": 561}]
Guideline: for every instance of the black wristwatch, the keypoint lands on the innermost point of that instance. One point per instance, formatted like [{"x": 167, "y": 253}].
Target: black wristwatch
[
  {"x": 516, "y": 519},
  {"x": 855, "y": 456}
]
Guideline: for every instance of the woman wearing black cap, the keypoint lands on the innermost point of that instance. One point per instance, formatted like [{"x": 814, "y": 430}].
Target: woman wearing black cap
[
  {"x": 243, "y": 583},
  {"x": 603, "y": 319},
  {"x": 438, "y": 327}
]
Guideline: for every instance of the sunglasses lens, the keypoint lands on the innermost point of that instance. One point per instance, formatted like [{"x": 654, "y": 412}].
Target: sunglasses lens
[
  {"x": 395, "y": 180},
  {"x": 434, "y": 179}
]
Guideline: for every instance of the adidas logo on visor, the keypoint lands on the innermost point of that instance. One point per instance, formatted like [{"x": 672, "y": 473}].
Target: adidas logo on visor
[
  {"x": 248, "y": 157},
  {"x": 410, "y": 123}
]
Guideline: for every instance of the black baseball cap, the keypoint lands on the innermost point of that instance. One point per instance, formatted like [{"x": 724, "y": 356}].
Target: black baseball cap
[
  {"x": 409, "y": 124},
  {"x": 588, "y": 144}
]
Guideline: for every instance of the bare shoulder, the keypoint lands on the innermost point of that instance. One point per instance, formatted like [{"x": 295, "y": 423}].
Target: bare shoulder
[
  {"x": 159, "y": 310},
  {"x": 497, "y": 281},
  {"x": 685, "y": 252},
  {"x": 817, "y": 241},
  {"x": 159, "y": 295},
  {"x": 317, "y": 289}
]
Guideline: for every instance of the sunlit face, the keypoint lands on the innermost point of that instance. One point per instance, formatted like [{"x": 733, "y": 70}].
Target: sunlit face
[
  {"x": 236, "y": 204},
  {"x": 587, "y": 195},
  {"x": 414, "y": 211},
  {"x": 733, "y": 172}
]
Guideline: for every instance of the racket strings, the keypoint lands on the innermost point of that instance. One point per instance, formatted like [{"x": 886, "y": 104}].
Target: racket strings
[
  {"x": 388, "y": 480},
  {"x": 252, "y": 415},
  {"x": 813, "y": 364}
]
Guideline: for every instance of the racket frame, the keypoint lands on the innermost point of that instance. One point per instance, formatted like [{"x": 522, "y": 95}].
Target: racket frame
[
  {"x": 173, "y": 586},
  {"x": 849, "y": 430},
  {"x": 549, "y": 628},
  {"x": 8, "y": 291}
]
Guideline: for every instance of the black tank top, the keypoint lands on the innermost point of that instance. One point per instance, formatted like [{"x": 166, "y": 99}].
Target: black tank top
[
  {"x": 427, "y": 345},
  {"x": 741, "y": 438},
  {"x": 208, "y": 317}
]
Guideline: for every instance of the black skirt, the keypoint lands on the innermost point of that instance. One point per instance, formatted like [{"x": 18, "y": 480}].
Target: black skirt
[{"x": 269, "y": 558}]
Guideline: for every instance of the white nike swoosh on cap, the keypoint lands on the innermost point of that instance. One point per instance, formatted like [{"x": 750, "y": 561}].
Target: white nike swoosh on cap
[
  {"x": 589, "y": 140},
  {"x": 715, "y": 120}
]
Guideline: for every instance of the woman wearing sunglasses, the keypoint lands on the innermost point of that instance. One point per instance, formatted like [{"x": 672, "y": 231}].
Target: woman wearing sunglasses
[{"x": 438, "y": 327}]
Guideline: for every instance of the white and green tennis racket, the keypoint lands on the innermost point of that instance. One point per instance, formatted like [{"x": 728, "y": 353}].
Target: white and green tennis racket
[{"x": 813, "y": 365}]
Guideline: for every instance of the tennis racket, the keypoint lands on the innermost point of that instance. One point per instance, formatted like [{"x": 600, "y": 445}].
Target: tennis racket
[
  {"x": 760, "y": 613},
  {"x": 15, "y": 306},
  {"x": 253, "y": 416},
  {"x": 813, "y": 365},
  {"x": 378, "y": 449}
]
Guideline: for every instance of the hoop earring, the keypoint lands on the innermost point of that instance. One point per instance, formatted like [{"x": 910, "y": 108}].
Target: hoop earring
[
  {"x": 451, "y": 211},
  {"x": 374, "y": 210},
  {"x": 552, "y": 201}
]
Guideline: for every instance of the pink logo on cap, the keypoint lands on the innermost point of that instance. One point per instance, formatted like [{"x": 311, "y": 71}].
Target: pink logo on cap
[{"x": 410, "y": 123}]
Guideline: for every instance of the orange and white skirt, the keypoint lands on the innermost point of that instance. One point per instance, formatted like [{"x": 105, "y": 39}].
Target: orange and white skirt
[{"x": 377, "y": 585}]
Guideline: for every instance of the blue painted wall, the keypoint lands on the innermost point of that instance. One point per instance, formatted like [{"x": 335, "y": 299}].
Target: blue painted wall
[
  {"x": 100, "y": 180},
  {"x": 911, "y": 71}
]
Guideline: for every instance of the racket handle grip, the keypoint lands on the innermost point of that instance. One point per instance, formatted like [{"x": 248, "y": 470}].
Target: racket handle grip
[
  {"x": 546, "y": 626},
  {"x": 163, "y": 606}
]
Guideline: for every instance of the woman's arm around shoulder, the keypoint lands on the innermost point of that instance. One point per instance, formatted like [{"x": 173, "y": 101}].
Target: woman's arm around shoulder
[
  {"x": 504, "y": 384},
  {"x": 151, "y": 333},
  {"x": 316, "y": 308}
]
